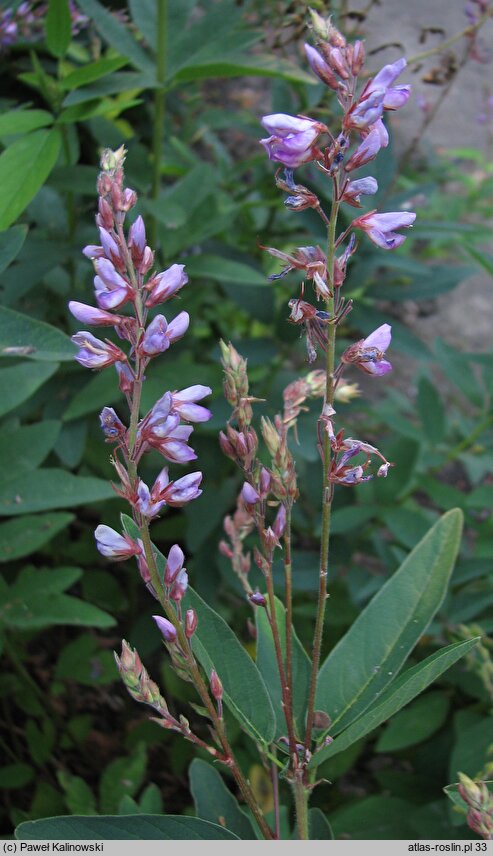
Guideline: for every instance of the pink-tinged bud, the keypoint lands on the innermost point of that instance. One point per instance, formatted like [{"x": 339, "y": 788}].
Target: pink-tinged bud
[
  {"x": 225, "y": 549},
  {"x": 105, "y": 215},
  {"x": 178, "y": 326},
  {"x": 338, "y": 62},
  {"x": 270, "y": 539},
  {"x": 264, "y": 482},
  {"x": 166, "y": 284},
  {"x": 167, "y": 629},
  {"x": 216, "y": 685},
  {"x": 92, "y": 251},
  {"x": 383, "y": 470},
  {"x": 179, "y": 586},
  {"x": 226, "y": 447},
  {"x": 111, "y": 425},
  {"x": 137, "y": 240},
  {"x": 95, "y": 354},
  {"x": 249, "y": 494},
  {"x": 174, "y": 564},
  {"x": 381, "y": 228},
  {"x": 321, "y": 68},
  {"x": 126, "y": 378},
  {"x": 129, "y": 199},
  {"x": 129, "y": 660},
  {"x": 191, "y": 622},
  {"x": 358, "y": 57},
  {"x": 110, "y": 247},
  {"x": 115, "y": 546},
  {"x": 366, "y": 151},
  {"x": 147, "y": 261},
  {"x": 257, "y": 599},
  {"x": 92, "y": 315},
  {"x": 280, "y": 522}
]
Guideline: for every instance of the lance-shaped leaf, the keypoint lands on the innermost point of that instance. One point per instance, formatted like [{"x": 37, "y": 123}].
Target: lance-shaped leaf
[
  {"x": 401, "y": 691},
  {"x": 45, "y": 489},
  {"x": 368, "y": 657},
  {"x": 142, "y": 827},
  {"x": 22, "y": 336},
  {"x": 267, "y": 664},
  {"x": 216, "y": 647},
  {"x": 214, "y": 802},
  {"x": 24, "y": 168}
]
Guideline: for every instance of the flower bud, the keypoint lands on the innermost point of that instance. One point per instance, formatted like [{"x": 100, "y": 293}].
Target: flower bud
[
  {"x": 191, "y": 622},
  {"x": 167, "y": 629},
  {"x": 216, "y": 685},
  {"x": 257, "y": 599}
]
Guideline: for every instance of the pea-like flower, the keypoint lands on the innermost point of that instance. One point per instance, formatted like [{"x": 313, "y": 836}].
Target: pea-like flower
[
  {"x": 361, "y": 187},
  {"x": 95, "y": 354},
  {"x": 111, "y": 425},
  {"x": 395, "y": 97},
  {"x": 115, "y": 546},
  {"x": 112, "y": 290},
  {"x": 381, "y": 228},
  {"x": 165, "y": 284},
  {"x": 184, "y": 403},
  {"x": 368, "y": 354},
  {"x": 166, "y": 628},
  {"x": 366, "y": 151},
  {"x": 293, "y": 139},
  {"x": 91, "y": 315}
]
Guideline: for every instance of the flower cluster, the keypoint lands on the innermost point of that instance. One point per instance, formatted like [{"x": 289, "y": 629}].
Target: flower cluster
[{"x": 126, "y": 294}]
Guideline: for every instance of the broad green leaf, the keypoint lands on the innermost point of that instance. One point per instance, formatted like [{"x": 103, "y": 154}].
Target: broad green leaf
[
  {"x": 78, "y": 795},
  {"x": 11, "y": 243},
  {"x": 24, "y": 535},
  {"x": 22, "y": 121},
  {"x": 24, "y": 448},
  {"x": 350, "y": 517},
  {"x": 472, "y": 745},
  {"x": 112, "y": 84},
  {"x": 406, "y": 687},
  {"x": 482, "y": 497},
  {"x": 91, "y": 72},
  {"x": 117, "y": 35},
  {"x": 144, "y": 16},
  {"x": 140, "y": 827},
  {"x": 374, "y": 818},
  {"x": 44, "y": 489},
  {"x": 224, "y": 270},
  {"x": 215, "y": 802},
  {"x": 58, "y": 27},
  {"x": 100, "y": 390},
  {"x": 243, "y": 66},
  {"x": 122, "y": 777},
  {"x": 16, "y": 776},
  {"x": 37, "y": 600},
  {"x": 97, "y": 107},
  {"x": 18, "y": 383},
  {"x": 21, "y": 335},
  {"x": 416, "y": 723},
  {"x": 267, "y": 665},
  {"x": 245, "y": 693},
  {"x": 318, "y": 825},
  {"x": 431, "y": 411},
  {"x": 375, "y": 647},
  {"x": 24, "y": 168}
]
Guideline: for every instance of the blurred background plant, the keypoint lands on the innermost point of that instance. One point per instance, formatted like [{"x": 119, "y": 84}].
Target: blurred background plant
[{"x": 183, "y": 85}]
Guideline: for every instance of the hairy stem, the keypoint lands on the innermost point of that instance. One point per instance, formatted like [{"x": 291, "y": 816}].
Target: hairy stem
[
  {"x": 159, "y": 108},
  {"x": 301, "y": 805},
  {"x": 326, "y": 488}
]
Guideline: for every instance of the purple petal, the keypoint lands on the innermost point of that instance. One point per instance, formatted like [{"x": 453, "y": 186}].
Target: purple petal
[
  {"x": 379, "y": 339},
  {"x": 388, "y": 74}
]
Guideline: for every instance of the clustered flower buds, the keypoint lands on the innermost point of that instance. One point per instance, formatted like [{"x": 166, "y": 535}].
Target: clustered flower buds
[{"x": 480, "y": 806}]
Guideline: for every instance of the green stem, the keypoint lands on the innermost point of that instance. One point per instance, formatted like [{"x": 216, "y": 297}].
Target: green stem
[
  {"x": 285, "y": 688},
  {"x": 444, "y": 46},
  {"x": 289, "y": 609},
  {"x": 301, "y": 805},
  {"x": 326, "y": 488},
  {"x": 159, "y": 108}
]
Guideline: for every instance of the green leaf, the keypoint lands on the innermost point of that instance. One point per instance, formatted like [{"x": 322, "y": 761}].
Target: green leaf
[
  {"x": 483, "y": 259},
  {"x": 22, "y": 121},
  {"x": 406, "y": 687},
  {"x": 78, "y": 795},
  {"x": 91, "y": 72},
  {"x": 151, "y": 801},
  {"x": 58, "y": 27},
  {"x": 36, "y": 600},
  {"x": 318, "y": 825},
  {"x": 24, "y": 535},
  {"x": 245, "y": 693},
  {"x": 453, "y": 794},
  {"x": 117, "y": 35},
  {"x": 374, "y": 818},
  {"x": 24, "y": 168},
  {"x": 24, "y": 448},
  {"x": 431, "y": 411},
  {"x": 224, "y": 270},
  {"x": 11, "y": 243},
  {"x": 214, "y": 802},
  {"x": 18, "y": 383},
  {"x": 243, "y": 66},
  {"x": 44, "y": 489},
  {"x": 374, "y": 649},
  {"x": 98, "y": 391},
  {"x": 140, "y": 827},
  {"x": 16, "y": 776},
  {"x": 267, "y": 665},
  {"x": 122, "y": 777},
  {"x": 471, "y": 746},
  {"x": 21, "y": 335},
  {"x": 414, "y": 724}
]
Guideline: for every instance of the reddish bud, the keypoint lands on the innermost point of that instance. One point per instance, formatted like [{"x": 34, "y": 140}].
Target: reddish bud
[{"x": 191, "y": 622}]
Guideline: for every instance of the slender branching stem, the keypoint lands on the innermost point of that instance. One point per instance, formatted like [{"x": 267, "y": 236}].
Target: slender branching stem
[
  {"x": 285, "y": 688},
  {"x": 326, "y": 487},
  {"x": 289, "y": 609},
  {"x": 444, "y": 46},
  {"x": 301, "y": 806}
]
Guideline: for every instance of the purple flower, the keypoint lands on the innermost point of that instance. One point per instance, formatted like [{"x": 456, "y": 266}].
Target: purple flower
[
  {"x": 145, "y": 503},
  {"x": 167, "y": 629},
  {"x": 381, "y": 228},
  {"x": 249, "y": 494},
  {"x": 178, "y": 326},
  {"x": 110, "y": 248},
  {"x": 184, "y": 403},
  {"x": 179, "y": 586},
  {"x": 366, "y": 111},
  {"x": 137, "y": 237},
  {"x": 169, "y": 438},
  {"x": 354, "y": 189},
  {"x": 174, "y": 564},
  {"x": 292, "y": 140},
  {"x": 115, "y": 546},
  {"x": 111, "y": 425},
  {"x": 368, "y": 355},
  {"x": 182, "y": 491},
  {"x": 366, "y": 151},
  {"x": 394, "y": 96},
  {"x": 92, "y": 315},
  {"x": 164, "y": 285},
  {"x": 95, "y": 354},
  {"x": 112, "y": 291},
  {"x": 156, "y": 339}
]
